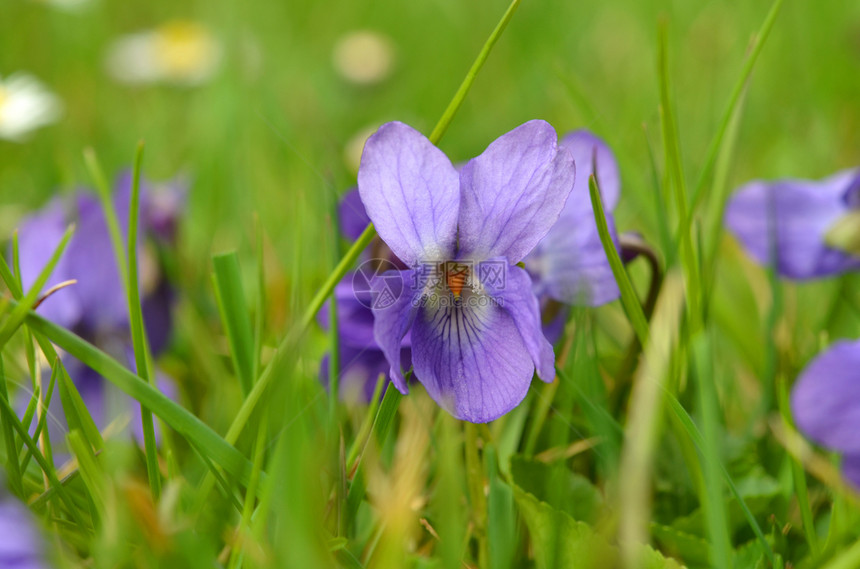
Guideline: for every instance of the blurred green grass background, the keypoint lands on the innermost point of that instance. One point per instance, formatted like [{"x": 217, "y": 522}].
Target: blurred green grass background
[
  {"x": 267, "y": 135},
  {"x": 266, "y": 138}
]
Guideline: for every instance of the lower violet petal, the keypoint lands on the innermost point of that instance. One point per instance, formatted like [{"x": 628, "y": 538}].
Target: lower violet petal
[
  {"x": 471, "y": 359},
  {"x": 514, "y": 295}
]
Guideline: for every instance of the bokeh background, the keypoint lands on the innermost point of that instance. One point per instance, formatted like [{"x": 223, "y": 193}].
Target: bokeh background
[
  {"x": 274, "y": 133},
  {"x": 271, "y": 139}
]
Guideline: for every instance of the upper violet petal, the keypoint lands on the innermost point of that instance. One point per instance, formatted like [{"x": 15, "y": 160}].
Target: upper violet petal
[
  {"x": 411, "y": 193},
  {"x": 471, "y": 360},
  {"x": 513, "y": 193},
  {"x": 799, "y": 214},
  {"x": 826, "y": 398},
  {"x": 586, "y": 149}
]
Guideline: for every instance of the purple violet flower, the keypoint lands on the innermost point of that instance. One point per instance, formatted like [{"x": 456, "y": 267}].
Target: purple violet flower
[
  {"x": 361, "y": 360},
  {"x": 474, "y": 318},
  {"x": 825, "y": 401},
  {"x": 799, "y": 214},
  {"x": 569, "y": 265},
  {"x": 96, "y": 307},
  {"x": 360, "y": 357},
  {"x": 21, "y": 546},
  {"x": 352, "y": 215}
]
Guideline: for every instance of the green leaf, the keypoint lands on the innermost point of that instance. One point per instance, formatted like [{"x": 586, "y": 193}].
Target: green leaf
[
  {"x": 844, "y": 235},
  {"x": 560, "y": 541},
  {"x": 556, "y": 484},
  {"x": 759, "y": 493},
  {"x": 693, "y": 549}
]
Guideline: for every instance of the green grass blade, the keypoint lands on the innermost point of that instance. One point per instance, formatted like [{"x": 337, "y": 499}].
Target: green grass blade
[
  {"x": 692, "y": 431},
  {"x": 799, "y": 478},
  {"x": 675, "y": 175},
  {"x": 178, "y": 418},
  {"x": 629, "y": 300},
  {"x": 13, "y": 468},
  {"x": 461, "y": 93},
  {"x": 90, "y": 471},
  {"x": 713, "y": 502},
  {"x": 138, "y": 332},
  {"x": 260, "y": 316},
  {"x": 734, "y": 100},
  {"x": 104, "y": 192},
  {"x": 850, "y": 559},
  {"x": 334, "y": 345},
  {"x": 234, "y": 314},
  {"x": 366, "y": 428},
  {"x": 251, "y": 494},
  {"x": 77, "y": 414},
  {"x": 645, "y": 417},
  {"x": 381, "y": 426},
  {"x": 43, "y": 418},
  {"x": 47, "y": 468},
  {"x": 355, "y": 250}
]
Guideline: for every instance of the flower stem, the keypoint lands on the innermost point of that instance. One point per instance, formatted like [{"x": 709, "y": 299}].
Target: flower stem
[{"x": 475, "y": 478}]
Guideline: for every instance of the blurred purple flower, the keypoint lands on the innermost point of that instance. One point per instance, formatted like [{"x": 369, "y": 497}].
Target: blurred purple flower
[
  {"x": 474, "y": 319},
  {"x": 826, "y": 403},
  {"x": 361, "y": 360},
  {"x": 799, "y": 214},
  {"x": 352, "y": 215},
  {"x": 21, "y": 546},
  {"x": 96, "y": 307},
  {"x": 569, "y": 265}
]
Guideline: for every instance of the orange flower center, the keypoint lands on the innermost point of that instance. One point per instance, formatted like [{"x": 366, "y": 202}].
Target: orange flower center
[{"x": 456, "y": 277}]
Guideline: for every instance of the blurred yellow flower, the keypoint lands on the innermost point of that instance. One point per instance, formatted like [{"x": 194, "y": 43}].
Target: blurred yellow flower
[
  {"x": 25, "y": 105},
  {"x": 364, "y": 57},
  {"x": 178, "y": 53}
]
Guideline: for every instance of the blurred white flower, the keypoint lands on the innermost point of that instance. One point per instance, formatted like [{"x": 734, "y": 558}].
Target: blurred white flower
[
  {"x": 178, "y": 53},
  {"x": 364, "y": 57},
  {"x": 70, "y": 5},
  {"x": 25, "y": 105}
]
